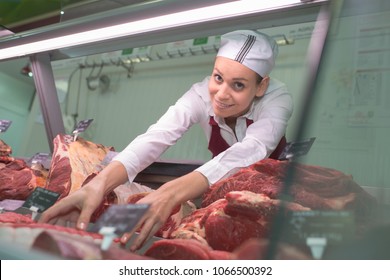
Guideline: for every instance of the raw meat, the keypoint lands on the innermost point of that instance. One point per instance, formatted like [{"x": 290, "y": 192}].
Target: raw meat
[
  {"x": 67, "y": 246},
  {"x": 183, "y": 249},
  {"x": 256, "y": 206},
  {"x": 15, "y": 218},
  {"x": 61, "y": 242},
  {"x": 22, "y": 230},
  {"x": 252, "y": 249},
  {"x": 18, "y": 180},
  {"x": 5, "y": 150},
  {"x": 72, "y": 162},
  {"x": 315, "y": 187},
  {"x": 227, "y": 223},
  {"x": 6, "y": 159},
  {"x": 243, "y": 206},
  {"x": 256, "y": 249}
]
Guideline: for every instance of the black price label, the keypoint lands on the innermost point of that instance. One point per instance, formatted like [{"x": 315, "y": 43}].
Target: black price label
[
  {"x": 82, "y": 125},
  {"x": 41, "y": 198},
  {"x": 123, "y": 218},
  {"x": 334, "y": 226},
  {"x": 4, "y": 125},
  {"x": 296, "y": 148}
]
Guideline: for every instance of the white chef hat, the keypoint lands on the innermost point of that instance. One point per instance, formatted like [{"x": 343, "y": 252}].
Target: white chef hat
[{"x": 255, "y": 50}]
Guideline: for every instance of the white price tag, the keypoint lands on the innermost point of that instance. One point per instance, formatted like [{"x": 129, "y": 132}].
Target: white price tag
[
  {"x": 4, "y": 125},
  {"x": 81, "y": 126}
]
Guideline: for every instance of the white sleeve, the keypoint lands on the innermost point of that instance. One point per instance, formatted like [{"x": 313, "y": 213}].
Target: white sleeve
[{"x": 148, "y": 147}]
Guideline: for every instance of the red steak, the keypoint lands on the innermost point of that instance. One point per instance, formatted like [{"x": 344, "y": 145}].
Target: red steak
[
  {"x": 5, "y": 150},
  {"x": 227, "y": 223},
  {"x": 18, "y": 180},
  {"x": 184, "y": 249},
  {"x": 314, "y": 187}
]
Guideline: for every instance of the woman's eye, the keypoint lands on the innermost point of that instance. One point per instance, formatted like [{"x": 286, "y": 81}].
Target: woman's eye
[
  {"x": 217, "y": 78},
  {"x": 239, "y": 86}
]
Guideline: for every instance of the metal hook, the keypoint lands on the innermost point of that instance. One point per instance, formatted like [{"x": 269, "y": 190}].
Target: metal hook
[
  {"x": 130, "y": 69},
  {"x": 180, "y": 53},
  {"x": 191, "y": 51},
  {"x": 169, "y": 54},
  {"x": 149, "y": 57}
]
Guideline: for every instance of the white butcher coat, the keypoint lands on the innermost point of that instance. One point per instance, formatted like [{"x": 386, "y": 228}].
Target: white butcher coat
[{"x": 270, "y": 114}]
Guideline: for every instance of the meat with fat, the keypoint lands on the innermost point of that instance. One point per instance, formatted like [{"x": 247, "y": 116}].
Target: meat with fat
[
  {"x": 227, "y": 223},
  {"x": 183, "y": 249},
  {"x": 65, "y": 246},
  {"x": 5, "y": 149},
  {"x": 73, "y": 162},
  {"x": 251, "y": 249},
  {"x": 18, "y": 180},
  {"x": 315, "y": 187},
  {"x": 257, "y": 249}
]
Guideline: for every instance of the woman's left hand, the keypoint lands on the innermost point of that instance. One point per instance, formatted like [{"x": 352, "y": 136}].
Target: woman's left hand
[
  {"x": 161, "y": 206},
  {"x": 162, "y": 202}
]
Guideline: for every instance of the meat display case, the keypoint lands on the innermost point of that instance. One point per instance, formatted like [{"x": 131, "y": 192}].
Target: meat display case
[
  {"x": 41, "y": 62},
  {"x": 374, "y": 244}
]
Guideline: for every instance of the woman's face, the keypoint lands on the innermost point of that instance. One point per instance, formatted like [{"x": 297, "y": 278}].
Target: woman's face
[{"x": 233, "y": 87}]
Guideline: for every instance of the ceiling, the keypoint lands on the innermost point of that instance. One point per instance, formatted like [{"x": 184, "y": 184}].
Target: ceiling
[
  {"x": 29, "y": 19},
  {"x": 26, "y": 15},
  {"x": 23, "y": 15}
]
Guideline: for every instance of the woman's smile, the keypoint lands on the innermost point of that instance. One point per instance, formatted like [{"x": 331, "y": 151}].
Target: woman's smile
[{"x": 222, "y": 105}]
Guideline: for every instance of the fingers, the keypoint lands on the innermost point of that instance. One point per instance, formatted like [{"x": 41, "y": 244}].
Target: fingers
[
  {"x": 149, "y": 228},
  {"x": 85, "y": 217},
  {"x": 51, "y": 215},
  {"x": 126, "y": 237}
]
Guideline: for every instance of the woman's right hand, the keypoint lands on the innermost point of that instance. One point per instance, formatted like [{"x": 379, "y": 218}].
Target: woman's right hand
[{"x": 76, "y": 209}]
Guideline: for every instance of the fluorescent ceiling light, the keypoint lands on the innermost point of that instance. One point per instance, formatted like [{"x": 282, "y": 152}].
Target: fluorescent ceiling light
[{"x": 205, "y": 14}]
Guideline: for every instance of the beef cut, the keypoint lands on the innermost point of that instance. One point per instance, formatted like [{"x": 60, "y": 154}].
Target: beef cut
[
  {"x": 15, "y": 218},
  {"x": 184, "y": 249},
  {"x": 22, "y": 230},
  {"x": 252, "y": 249},
  {"x": 315, "y": 187},
  {"x": 66, "y": 246},
  {"x": 6, "y": 159},
  {"x": 256, "y": 249},
  {"x": 243, "y": 206},
  {"x": 5, "y": 150},
  {"x": 228, "y": 222},
  {"x": 18, "y": 180},
  {"x": 73, "y": 162},
  {"x": 58, "y": 241}
]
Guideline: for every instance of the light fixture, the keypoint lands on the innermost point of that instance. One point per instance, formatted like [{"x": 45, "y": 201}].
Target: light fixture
[
  {"x": 26, "y": 70},
  {"x": 172, "y": 20}
]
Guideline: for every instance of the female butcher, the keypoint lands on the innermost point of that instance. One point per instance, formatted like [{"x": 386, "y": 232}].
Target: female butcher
[{"x": 243, "y": 112}]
